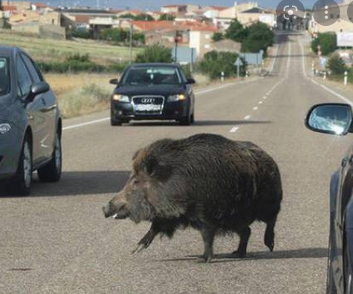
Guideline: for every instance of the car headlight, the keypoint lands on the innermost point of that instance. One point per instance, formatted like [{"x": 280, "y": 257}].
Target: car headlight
[
  {"x": 4, "y": 128},
  {"x": 121, "y": 98},
  {"x": 178, "y": 97}
]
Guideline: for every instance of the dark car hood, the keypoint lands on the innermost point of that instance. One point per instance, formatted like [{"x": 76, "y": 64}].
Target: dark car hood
[{"x": 163, "y": 90}]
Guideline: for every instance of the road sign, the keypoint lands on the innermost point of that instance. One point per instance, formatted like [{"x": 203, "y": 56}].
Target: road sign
[{"x": 238, "y": 62}]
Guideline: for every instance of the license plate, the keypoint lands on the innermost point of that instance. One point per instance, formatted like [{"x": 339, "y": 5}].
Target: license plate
[{"x": 148, "y": 107}]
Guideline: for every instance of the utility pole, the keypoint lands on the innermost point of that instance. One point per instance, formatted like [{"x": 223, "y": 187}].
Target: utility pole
[{"x": 131, "y": 38}]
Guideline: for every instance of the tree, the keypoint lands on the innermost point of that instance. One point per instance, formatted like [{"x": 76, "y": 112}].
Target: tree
[
  {"x": 260, "y": 37},
  {"x": 145, "y": 17},
  {"x": 336, "y": 65},
  {"x": 236, "y": 31},
  {"x": 155, "y": 53},
  {"x": 217, "y": 37},
  {"x": 327, "y": 41},
  {"x": 166, "y": 16},
  {"x": 116, "y": 35}
]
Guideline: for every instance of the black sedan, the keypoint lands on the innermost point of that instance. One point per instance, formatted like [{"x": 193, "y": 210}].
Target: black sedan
[
  {"x": 336, "y": 119},
  {"x": 153, "y": 91},
  {"x": 30, "y": 123}
]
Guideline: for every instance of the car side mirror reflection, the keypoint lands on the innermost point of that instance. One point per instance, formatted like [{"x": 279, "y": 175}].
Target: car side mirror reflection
[
  {"x": 330, "y": 118},
  {"x": 114, "y": 81}
]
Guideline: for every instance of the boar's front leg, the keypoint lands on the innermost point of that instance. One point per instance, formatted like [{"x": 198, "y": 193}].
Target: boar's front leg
[
  {"x": 208, "y": 235},
  {"x": 146, "y": 241}
]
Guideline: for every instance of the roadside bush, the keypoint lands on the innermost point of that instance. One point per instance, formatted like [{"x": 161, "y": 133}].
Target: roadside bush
[
  {"x": 78, "y": 33},
  {"x": 336, "y": 65},
  {"x": 79, "y": 63},
  {"x": 155, "y": 53},
  {"x": 116, "y": 35},
  {"x": 214, "y": 63},
  {"x": 327, "y": 41}
]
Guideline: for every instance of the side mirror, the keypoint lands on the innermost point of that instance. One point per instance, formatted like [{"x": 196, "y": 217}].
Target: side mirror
[
  {"x": 330, "y": 118},
  {"x": 190, "y": 81},
  {"x": 38, "y": 88},
  {"x": 114, "y": 82}
]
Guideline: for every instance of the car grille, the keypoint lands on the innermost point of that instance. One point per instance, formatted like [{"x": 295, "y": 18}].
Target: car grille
[{"x": 148, "y": 104}]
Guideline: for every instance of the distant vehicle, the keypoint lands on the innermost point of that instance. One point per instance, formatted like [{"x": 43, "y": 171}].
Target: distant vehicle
[
  {"x": 30, "y": 124},
  {"x": 336, "y": 119},
  {"x": 154, "y": 91}
]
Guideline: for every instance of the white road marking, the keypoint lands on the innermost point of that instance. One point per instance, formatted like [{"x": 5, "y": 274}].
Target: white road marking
[
  {"x": 86, "y": 123},
  {"x": 288, "y": 60},
  {"x": 274, "y": 60},
  {"x": 319, "y": 84},
  {"x": 260, "y": 102},
  {"x": 265, "y": 97},
  {"x": 234, "y": 129},
  {"x": 247, "y": 117},
  {"x": 255, "y": 108}
]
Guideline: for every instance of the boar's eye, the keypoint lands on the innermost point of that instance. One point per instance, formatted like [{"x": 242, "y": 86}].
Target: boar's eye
[{"x": 157, "y": 169}]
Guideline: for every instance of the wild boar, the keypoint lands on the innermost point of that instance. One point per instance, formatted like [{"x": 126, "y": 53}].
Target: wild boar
[{"x": 206, "y": 181}]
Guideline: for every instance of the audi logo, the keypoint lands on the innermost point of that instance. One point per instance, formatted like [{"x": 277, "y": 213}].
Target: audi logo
[{"x": 147, "y": 100}]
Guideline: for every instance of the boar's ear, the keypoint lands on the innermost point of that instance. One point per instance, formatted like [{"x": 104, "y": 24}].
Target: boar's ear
[{"x": 157, "y": 169}]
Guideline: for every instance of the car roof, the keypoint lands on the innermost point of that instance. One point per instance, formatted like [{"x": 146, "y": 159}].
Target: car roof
[
  {"x": 139, "y": 65},
  {"x": 9, "y": 50}
]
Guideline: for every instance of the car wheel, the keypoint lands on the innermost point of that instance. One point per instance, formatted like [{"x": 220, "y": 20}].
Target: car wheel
[
  {"x": 348, "y": 277},
  {"x": 115, "y": 122},
  {"x": 185, "y": 121},
  {"x": 21, "y": 184},
  {"x": 330, "y": 283},
  {"x": 192, "y": 118},
  {"x": 51, "y": 172}
]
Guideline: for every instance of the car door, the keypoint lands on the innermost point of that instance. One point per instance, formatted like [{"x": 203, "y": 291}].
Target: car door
[
  {"x": 34, "y": 108},
  {"x": 48, "y": 110},
  {"x": 343, "y": 196}
]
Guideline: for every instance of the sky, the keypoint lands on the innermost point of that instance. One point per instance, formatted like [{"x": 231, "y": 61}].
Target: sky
[{"x": 155, "y": 4}]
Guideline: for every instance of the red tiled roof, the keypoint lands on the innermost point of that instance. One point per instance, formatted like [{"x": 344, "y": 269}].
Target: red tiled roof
[
  {"x": 173, "y": 6},
  {"x": 83, "y": 18},
  {"x": 163, "y": 25},
  {"x": 219, "y": 8},
  {"x": 9, "y": 8},
  {"x": 40, "y": 5}
]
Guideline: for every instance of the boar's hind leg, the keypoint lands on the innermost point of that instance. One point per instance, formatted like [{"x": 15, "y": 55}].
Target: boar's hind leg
[
  {"x": 270, "y": 235},
  {"x": 244, "y": 235},
  {"x": 208, "y": 238}
]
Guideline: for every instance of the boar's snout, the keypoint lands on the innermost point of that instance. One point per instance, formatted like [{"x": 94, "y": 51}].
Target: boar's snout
[{"x": 116, "y": 210}]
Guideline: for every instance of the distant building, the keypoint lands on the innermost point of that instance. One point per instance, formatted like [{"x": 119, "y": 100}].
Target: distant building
[
  {"x": 226, "y": 46},
  {"x": 255, "y": 14},
  {"x": 213, "y": 11},
  {"x": 174, "y": 9},
  {"x": 201, "y": 40}
]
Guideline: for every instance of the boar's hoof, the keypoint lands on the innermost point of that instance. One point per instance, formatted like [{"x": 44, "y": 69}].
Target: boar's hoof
[
  {"x": 207, "y": 258},
  {"x": 239, "y": 254},
  {"x": 142, "y": 245}
]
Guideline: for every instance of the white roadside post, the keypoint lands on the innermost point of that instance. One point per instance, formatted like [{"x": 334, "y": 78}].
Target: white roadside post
[
  {"x": 222, "y": 76},
  {"x": 313, "y": 67},
  {"x": 324, "y": 75},
  {"x": 345, "y": 78},
  {"x": 238, "y": 63}
]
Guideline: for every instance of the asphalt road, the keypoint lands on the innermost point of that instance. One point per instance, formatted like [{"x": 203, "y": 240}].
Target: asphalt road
[{"x": 57, "y": 240}]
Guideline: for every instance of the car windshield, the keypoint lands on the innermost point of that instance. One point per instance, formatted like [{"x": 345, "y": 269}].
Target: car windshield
[
  {"x": 152, "y": 76},
  {"x": 4, "y": 76}
]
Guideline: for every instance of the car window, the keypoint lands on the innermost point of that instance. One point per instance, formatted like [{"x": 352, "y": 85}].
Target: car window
[
  {"x": 4, "y": 76},
  {"x": 152, "y": 75},
  {"x": 37, "y": 77},
  {"x": 24, "y": 79}
]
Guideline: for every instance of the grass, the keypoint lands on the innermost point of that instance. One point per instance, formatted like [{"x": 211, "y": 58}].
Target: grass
[
  {"x": 58, "y": 50},
  {"x": 82, "y": 93}
]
